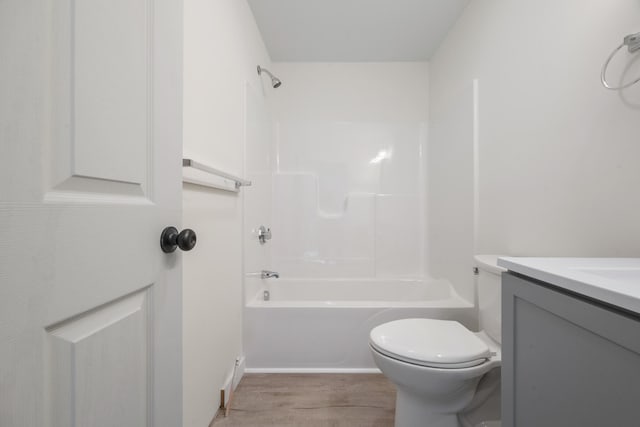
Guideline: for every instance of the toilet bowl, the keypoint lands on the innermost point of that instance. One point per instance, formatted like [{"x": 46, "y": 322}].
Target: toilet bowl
[{"x": 436, "y": 365}]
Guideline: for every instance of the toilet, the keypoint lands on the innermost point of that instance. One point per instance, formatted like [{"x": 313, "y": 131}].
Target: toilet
[{"x": 436, "y": 365}]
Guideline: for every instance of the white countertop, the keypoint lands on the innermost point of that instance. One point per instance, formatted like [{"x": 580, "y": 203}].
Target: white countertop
[{"x": 615, "y": 281}]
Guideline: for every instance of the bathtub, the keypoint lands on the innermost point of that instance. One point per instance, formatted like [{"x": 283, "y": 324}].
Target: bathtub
[{"x": 323, "y": 325}]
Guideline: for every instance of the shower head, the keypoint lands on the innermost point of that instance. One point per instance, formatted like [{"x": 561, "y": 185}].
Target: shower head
[{"x": 275, "y": 82}]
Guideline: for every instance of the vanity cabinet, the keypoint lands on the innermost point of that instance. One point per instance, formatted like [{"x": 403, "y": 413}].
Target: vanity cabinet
[{"x": 568, "y": 360}]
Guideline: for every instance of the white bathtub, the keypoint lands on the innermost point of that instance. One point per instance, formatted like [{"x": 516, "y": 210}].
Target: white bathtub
[{"x": 323, "y": 325}]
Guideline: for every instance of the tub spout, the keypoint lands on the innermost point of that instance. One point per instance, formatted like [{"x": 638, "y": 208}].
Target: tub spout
[{"x": 266, "y": 274}]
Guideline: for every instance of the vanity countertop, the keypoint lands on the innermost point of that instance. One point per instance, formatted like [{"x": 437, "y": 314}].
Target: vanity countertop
[{"x": 614, "y": 281}]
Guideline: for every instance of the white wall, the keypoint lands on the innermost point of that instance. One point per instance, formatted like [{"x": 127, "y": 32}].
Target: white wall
[
  {"x": 337, "y": 211},
  {"x": 222, "y": 47},
  {"x": 355, "y": 92},
  {"x": 558, "y": 154}
]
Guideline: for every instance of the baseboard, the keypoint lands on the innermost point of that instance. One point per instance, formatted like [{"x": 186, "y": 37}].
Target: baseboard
[
  {"x": 312, "y": 371},
  {"x": 225, "y": 391}
]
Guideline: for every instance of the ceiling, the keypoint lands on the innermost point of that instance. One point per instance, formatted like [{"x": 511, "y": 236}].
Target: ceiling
[{"x": 354, "y": 30}]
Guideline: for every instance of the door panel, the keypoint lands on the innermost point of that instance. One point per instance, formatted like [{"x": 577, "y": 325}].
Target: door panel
[
  {"x": 110, "y": 89},
  {"x": 99, "y": 362},
  {"x": 102, "y": 61}
]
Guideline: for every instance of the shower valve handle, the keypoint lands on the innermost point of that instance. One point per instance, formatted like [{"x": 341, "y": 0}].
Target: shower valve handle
[{"x": 264, "y": 234}]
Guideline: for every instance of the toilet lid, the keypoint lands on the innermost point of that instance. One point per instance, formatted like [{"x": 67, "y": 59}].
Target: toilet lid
[{"x": 430, "y": 342}]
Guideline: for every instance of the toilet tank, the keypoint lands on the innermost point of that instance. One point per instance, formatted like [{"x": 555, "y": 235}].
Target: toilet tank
[{"x": 488, "y": 284}]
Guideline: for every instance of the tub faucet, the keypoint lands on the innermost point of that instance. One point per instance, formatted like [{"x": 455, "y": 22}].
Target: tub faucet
[{"x": 266, "y": 274}]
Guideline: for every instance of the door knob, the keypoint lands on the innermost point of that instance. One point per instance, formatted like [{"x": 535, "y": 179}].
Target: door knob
[{"x": 170, "y": 239}]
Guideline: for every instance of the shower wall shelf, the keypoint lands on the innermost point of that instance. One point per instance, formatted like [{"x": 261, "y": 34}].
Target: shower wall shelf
[{"x": 208, "y": 176}]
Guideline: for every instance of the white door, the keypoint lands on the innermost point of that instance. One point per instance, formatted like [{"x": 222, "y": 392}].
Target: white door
[{"x": 90, "y": 148}]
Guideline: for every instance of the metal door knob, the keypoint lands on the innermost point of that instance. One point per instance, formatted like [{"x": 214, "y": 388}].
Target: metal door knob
[{"x": 170, "y": 239}]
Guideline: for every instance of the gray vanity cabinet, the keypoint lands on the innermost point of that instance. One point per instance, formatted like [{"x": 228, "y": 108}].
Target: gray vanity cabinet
[{"x": 568, "y": 361}]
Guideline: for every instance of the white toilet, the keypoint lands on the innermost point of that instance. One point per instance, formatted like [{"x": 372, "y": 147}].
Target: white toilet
[{"x": 436, "y": 364}]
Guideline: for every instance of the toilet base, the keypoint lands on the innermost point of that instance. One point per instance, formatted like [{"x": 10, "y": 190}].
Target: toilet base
[
  {"x": 431, "y": 397},
  {"x": 411, "y": 411}
]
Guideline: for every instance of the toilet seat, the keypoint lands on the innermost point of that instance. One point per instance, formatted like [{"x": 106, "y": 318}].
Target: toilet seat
[{"x": 429, "y": 342}]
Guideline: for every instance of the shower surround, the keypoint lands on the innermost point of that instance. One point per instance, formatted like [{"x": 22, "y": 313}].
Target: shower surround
[
  {"x": 342, "y": 187},
  {"x": 347, "y": 200}
]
